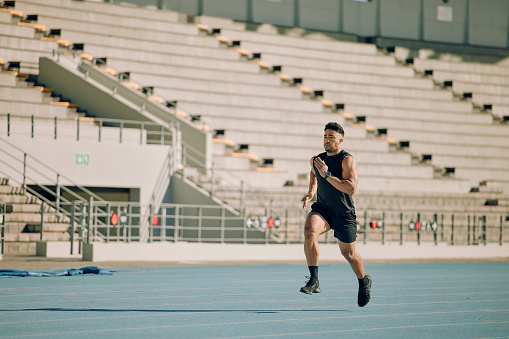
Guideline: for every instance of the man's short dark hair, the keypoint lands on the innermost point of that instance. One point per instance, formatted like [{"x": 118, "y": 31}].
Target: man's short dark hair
[{"x": 335, "y": 127}]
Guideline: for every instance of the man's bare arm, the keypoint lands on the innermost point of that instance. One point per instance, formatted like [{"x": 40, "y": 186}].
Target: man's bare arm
[
  {"x": 312, "y": 186},
  {"x": 348, "y": 183}
]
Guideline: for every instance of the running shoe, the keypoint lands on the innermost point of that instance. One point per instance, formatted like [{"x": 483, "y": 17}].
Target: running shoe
[
  {"x": 364, "y": 293},
  {"x": 312, "y": 286}
]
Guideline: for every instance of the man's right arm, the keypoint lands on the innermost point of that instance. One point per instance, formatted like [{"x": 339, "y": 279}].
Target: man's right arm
[{"x": 312, "y": 185}]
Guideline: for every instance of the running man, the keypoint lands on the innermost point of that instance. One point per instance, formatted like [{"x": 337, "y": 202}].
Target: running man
[{"x": 334, "y": 174}]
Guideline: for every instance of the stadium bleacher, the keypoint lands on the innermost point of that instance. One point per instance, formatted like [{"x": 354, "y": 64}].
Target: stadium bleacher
[{"x": 419, "y": 145}]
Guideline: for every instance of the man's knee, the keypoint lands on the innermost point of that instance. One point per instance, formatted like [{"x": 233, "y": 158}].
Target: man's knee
[{"x": 348, "y": 253}]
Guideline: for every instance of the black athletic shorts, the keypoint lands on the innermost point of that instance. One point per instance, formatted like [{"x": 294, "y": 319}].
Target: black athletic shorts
[{"x": 344, "y": 229}]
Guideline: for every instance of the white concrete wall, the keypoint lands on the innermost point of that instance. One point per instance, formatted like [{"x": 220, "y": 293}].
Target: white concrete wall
[{"x": 111, "y": 164}]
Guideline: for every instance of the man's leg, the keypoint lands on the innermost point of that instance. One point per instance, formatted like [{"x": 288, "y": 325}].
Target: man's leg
[
  {"x": 355, "y": 260},
  {"x": 315, "y": 225}
]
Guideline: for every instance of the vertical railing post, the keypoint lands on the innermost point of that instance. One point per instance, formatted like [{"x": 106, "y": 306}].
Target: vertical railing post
[
  {"x": 242, "y": 197},
  {"x": 200, "y": 222},
  {"x": 468, "y": 229},
  {"x": 452, "y": 229},
  {"x": 484, "y": 230},
  {"x": 142, "y": 127},
  {"x": 2, "y": 227},
  {"x": 474, "y": 240},
  {"x": 33, "y": 126},
  {"x": 42, "y": 219},
  {"x": 78, "y": 129},
  {"x": 89, "y": 218},
  {"x": 401, "y": 228},
  {"x": 108, "y": 221},
  {"x": 56, "y": 128},
  {"x": 58, "y": 193},
  {"x": 419, "y": 230},
  {"x": 129, "y": 222},
  {"x": 163, "y": 223},
  {"x": 121, "y": 130},
  {"x": 287, "y": 231},
  {"x": 223, "y": 215},
  {"x": 24, "y": 173},
  {"x": 150, "y": 223},
  {"x": 383, "y": 228},
  {"x": 81, "y": 225},
  {"x": 435, "y": 220},
  {"x": 442, "y": 228},
  {"x": 8, "y": 124},
  {"x": 177, "y": 220},
  {"x": 184, "y": 160},
  {"x": 71, "y": 226},
  {"x": 213, "y": 180},
  {"x": 365, "y": 227},
  {"x": 100, "y": 125},
  {"x": 501, "y": 231}
]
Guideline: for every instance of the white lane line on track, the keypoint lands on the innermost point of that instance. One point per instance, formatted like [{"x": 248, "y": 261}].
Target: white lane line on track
[
  {"x": 371, "y": 329},
  {"x": 267, "y": 321},
  {"x": 273, "y": 302}
]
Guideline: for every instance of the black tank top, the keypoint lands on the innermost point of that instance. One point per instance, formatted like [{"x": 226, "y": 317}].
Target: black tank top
[{"x": 335, "y": 201}]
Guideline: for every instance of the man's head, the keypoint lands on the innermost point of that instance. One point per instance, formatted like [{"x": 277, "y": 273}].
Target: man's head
[{"x": 333, "y": 137}]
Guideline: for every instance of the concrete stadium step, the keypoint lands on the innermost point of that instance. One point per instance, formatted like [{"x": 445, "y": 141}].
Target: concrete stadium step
[
  {"x": 269, "y": 34},
  {"x": 419, "y": 147},
  {"x": 158, "y": 54},
  {"x": 125, "y": 63},
  {"x": 496, "y": 163},
  {"x": 100, "y": 7},
  {"x": 418, "y": 114},
  {"x": 277, "y": 123},
  {"x": 27, "y": 44},
  {"x": 149, "y": 18},
  {"x": 33, "y": 217},
  {"x": 460, "y": 127},
  {"x": 25, "y": 57},
  {"x": 16, "y": 199},
  {"x": 402, "y": 103},
  {"x": 489, "y": 79},
  {"x": 281, "y": 51},
  {"x": 130, "y": 31},
  {"x": 288, "y": 137},
  {"x": 293, "y": 62},
  {"x": 496, "y": 100},
  {"x": 8, "y": 29},
  {"x": 400, "y": 91},
  {"x": 353, "y": 76},
  {"x": 33, "y": 95},
  {"x": 157, "y": 42},
  {"x": 479, "y": 88},
  {"x": 233, "y": 88},
  {"x": 450, "y": 138},
  {"x": 141, "y": 75},
  {"x": 5, "y": 17},
  {"x": 37, "y": 109},
  {"x": 460, "y": 67},
  {"x": 34, "y": 237},
  {"x": 254, "y": 115},
  {"x": 11, "y": 190},
  {"x": 253, "y": 101}
]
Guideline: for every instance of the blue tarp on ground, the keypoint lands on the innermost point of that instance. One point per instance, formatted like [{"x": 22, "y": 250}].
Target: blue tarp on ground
[{"x": 60, "y": 273}]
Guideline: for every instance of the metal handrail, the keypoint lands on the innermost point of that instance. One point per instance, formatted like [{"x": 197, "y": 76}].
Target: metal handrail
[
  {"x": 37, "y": 170},
  {"x": 209, "y": 223}
]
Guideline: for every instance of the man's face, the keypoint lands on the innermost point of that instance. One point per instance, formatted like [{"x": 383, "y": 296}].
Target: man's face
[{"x": 331, "y": 141}]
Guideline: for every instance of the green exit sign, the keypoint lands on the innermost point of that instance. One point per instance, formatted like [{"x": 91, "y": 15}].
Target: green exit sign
[{"x": 82, "y": 159}]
